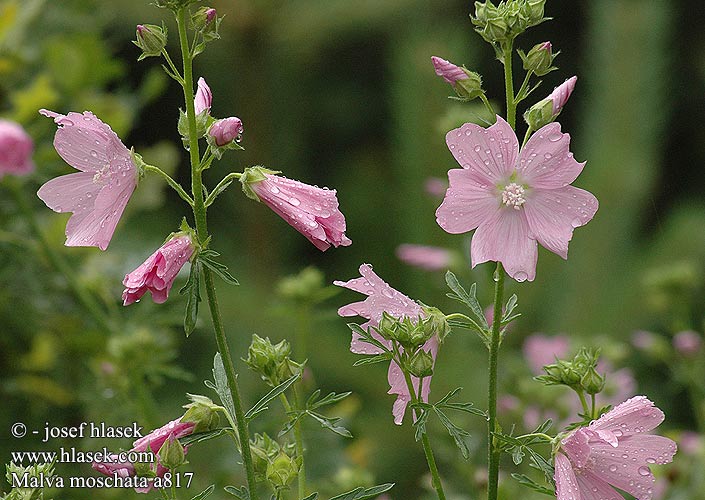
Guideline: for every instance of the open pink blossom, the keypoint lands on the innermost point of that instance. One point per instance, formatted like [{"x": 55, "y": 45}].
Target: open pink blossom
[
  {"x": 151, "y": 442},
  {"x": 158, "y": 272},
  {"x": 613, "y": 451},
  {"x": 98, "y": 194},
  {"x": 513, "y": 198},
  {"x": 16, "y": 149},
  {"x": 383, "y": 298},
  {"x": 204, "y": 97},
  {"x": 311, "y": 210},
  {"x": 426, "y": 257}
]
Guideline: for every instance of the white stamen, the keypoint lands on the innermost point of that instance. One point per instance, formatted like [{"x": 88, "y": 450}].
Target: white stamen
[{"x": 513, "y": 195}]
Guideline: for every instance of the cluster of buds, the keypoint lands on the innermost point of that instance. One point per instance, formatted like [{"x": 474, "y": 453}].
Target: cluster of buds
[
  {"x": 272, "y": 361},
  {"x": 273, "y": 462},
  {"x": 580, "y": 373},
  {"x": 506, "y": 21}
]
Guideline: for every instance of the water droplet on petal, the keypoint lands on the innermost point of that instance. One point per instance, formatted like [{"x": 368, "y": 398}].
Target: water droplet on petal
[
  {"x": 295, "y": 201},
  {"x": 555, "y": 136},
  {"x": 521, "y": 276},
  {"x": 274, "y": 190},
  {"x": 477, "y": 148},
  {"x": 613, "y": 468},
  {"x": 644, "y": 471}
]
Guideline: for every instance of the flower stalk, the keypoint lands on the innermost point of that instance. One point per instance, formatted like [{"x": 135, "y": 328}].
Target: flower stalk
[{"x": 493, "y": 452}]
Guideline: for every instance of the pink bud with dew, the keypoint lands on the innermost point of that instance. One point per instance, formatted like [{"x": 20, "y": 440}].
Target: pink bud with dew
[
  {"x": 158, "y": 272},
  {"x": 687, "y": 342},
  {"x": 16, "y": 149},
  {"x": 226, "y": 130},
  {"x": 204, "y": 97},
  {"x": 560, "y": 94},
  {"x": 449, "y": 71}
]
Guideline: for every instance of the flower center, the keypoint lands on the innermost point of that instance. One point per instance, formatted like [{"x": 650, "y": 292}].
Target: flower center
[{"x": 513, "y": 195}]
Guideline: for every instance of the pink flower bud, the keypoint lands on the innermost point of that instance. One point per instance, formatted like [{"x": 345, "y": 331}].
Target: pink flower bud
[
  {"x": 226, "y": 130},
  {"x": 204, "y": 97},
  {"x": 158, "y": 272},
  {"x": 560, "y": 94},
  {"x": 449, "y": 71},
  {"x": 687, "y": 343},
  {"x": 15, "y": 149},
  {"x": 210, "y": 15}
]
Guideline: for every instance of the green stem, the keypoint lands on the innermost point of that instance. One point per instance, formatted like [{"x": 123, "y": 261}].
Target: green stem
[
  {"x": 85, "y": 298},
  {"x": 493, "y": 453},
  {"x": 583, "y": 402},
  {"x": 222, "y": 185},
  {"x": 298, "y": 436},
  {"x": 507, "y": 51},
  {"x": 529, "y": 131},
  {"x": 593, "y": 409},
  {"x": 487, "y": 104},
  {"x": 425, "y": 442},
  {"x": 175, "y": 185},
  {"x": 176, "y": 75},
  {"x": 521, "y": 95},
  {"x": 199, "y": 212}
]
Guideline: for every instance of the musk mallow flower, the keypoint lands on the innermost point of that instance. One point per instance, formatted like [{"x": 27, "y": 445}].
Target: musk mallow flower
[
  {"x": 614, "y": 451},
  {"x": 158, "y": 272},
  {"x": 16, "y": 149},
  {"x": 98, "y": 193},
  {"x": 204, "y": 97},
  {"x": 513, "y": 198},
  {"x": 383, "y": 298},
  {"x": 311, "y": 210},
  {"x": 467, "y": 84}
]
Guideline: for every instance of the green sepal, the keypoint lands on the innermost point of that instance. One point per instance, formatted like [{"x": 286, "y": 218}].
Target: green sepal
[{"x": 252, "y": 175}]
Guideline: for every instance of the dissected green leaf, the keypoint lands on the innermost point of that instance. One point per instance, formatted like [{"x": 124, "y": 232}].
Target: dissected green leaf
[
  {"x": 221, "y": 385},
  {"x": 242, "y": 493},
  {"x": 364, "y": 493},
  {"x": 205, "y": 493},
  {"x": 200, "y": 437},
  {"x": 530, "y": 483},
  {"x": 459, "y": 435},
  {"x": 261, "y": 405},
  {"x": 192, "y": 290},
  {"x": 467, "y": 298}
]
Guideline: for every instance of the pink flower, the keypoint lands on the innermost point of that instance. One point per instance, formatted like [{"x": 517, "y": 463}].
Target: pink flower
[
  {"x": 449, "y": 71},
  {"x": 687, "y": 342},
  {"x": 16, "y": 149},
  {"x": 226, "y": 130},
  {"x": 560, "y": 94},
  {"x": 311, "y": 210},
  {"x": 383, "y": 298},
  {"x": 423, "y": 256},
  {"x": 614, "y": 450},
  {"x": 204, "y": 97},
  {"x": 512, "y": 198},
  {"x": 98, "y": 194},
  {"x": 151, "y": 442},
  {"x": 158, "y": 272},
  {"x": 541, "y": 350}
]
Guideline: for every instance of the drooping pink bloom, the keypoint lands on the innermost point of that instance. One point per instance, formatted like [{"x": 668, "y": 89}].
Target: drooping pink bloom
[
  {"x": 383, "y": 298},
  {"x": 226, "y": 130},
  {"x": 687, "y": 342},
  {"x": 158, "y": 272},
  {"x": 513, "y": 198},
  {"x": 541, "y": 350},
  {"x": 204, "y": 97},
  {"x": 426, "y": 257},
  {"x": 560, "y": 94},
  {"x": 16, "y": 149},
  {"x": 151, "y": 442},
  {"x": 614, "y": 450},
  {"x": 98, "y": 194},
  {"x": 311, "y": 210},
  {"x": 449, "y": 71}
]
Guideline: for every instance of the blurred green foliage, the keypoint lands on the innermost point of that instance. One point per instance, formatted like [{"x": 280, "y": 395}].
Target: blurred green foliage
[{"x": 343, "y": 94}]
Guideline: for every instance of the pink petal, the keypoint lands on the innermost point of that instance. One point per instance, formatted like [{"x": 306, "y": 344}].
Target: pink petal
[
  {"x": 593, "y": 488},
  {"x": 553, "y": 214},
  {"x": 398, "y": 386},
  {"x": 70, "y": 193},
  {"x": 546, "y": 161},
  {"x": 504, "y": 237},
  {"x": 635, "y": 415},
  {"x": 566, "y": 483},
  {"x": 466, "y": 203},
  {"x": 488, "y": 154},
  {"x": 576, "y": 447}
]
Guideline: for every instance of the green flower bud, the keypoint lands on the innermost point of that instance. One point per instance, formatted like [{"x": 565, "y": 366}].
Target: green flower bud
[
  {"x": 171, "y": 454},
  {"x": 421, "y": 364},
  {"x": 435, "y": 323},
  {"x": 496, "y": 30},
  {"x": 539, "y": 59},
  {"x": 470, "y": 87},
  {"x": 202, "y": 411},
  {"x": 282, "y": 470},
  {"x": 411, "y": 333},
  {"x": 264, "y": 449},
  {"x": 271, "y": 361},
  {"x": 592, "y": 382},
  {"x": 202, "y": 18},
  {"x": 539, "y": 114},
  {"x": 151, "y": 39},
  {"x": 388, "y": 326},
  {"x": 535, "y": 11}
]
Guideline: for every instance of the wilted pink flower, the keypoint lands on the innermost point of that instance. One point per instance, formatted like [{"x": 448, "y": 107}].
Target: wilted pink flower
[
  {"x": 151, "y": 442},
  {"x": 204, "y": 97},
  {"x": 311, "y": 210},
  {"x": 383, "y": 298},
  {"x": 687, "y": 342},
  {"x": 560, "y": 94},
  {"x": 98, "y": 194},
  {"x": 614, "y": 450},
  {"x": 15, "y": 149},
  {"x": 226, "y": 130},
  {"x": 424, "y": 256},
  {"x": 449, "y": 71},
  {"x": 541, "y": 350},
  {"x": 157, "y": 273},
  {"x": 513, "y": 198}
]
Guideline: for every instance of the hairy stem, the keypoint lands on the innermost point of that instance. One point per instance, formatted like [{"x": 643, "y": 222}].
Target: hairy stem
[{"x": 493, "y": 454}]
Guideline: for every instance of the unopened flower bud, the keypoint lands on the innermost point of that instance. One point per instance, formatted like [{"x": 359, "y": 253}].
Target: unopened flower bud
[
  {"x": 535, "y": 11},
  {"x": 467, "y": 84},
  {"x": 203, "y": 412},
  {"x": 411, "y": 333},
  {"x": 204, "y": 97},
  {"x": 435, "y": 323},
  {"x": 592, "y": 382},
  {"x": 421, "y": 364},
  {"x": 282, "y": 470},
  {"x": 545, "y": 111},
  {"x": 539, "y": 59},
  {"x": 151, "y": 39},
  {"x": 388, "y": 326},
  {"x": 225, "y": 131},
  {"x": 496, "y": 30},
  {"x": 271, "y": 361},
  {"x": 171, "y": 454},
  {"x": 203, "y": 17}
]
